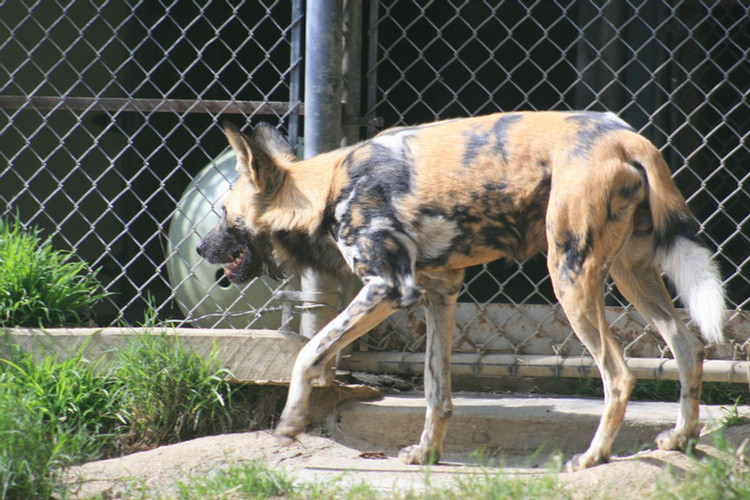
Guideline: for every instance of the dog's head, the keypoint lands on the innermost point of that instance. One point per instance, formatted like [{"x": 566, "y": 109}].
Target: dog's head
[{"x": 241, "y": 242}]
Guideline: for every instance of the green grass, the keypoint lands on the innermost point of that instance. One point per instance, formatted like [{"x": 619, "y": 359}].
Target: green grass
[
  {"x": 172, "y": 395},
  {"x": 714, "y": 478},
  {"x": 52, "y": 414},
  {"x": 255, "y": 481},
  {"x": 238, "y": 480},
  {"x": 732, "y": 415},
  {"x": 504, "y": 486},
  {"x": 41, "y": 286},
  {"x": 57, "y": 413}
]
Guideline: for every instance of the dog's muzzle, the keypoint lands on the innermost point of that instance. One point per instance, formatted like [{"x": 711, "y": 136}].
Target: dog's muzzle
[{"x": 242, "y": 256}]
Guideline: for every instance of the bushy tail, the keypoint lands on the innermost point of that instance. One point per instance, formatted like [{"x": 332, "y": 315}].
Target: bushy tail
[
  {"x": 689, "y": 266},
  {"x": 686, "y": 261}
]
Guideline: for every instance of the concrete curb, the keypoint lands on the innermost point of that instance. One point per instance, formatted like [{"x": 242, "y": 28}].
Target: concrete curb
[{"x": 514, "y": 424}]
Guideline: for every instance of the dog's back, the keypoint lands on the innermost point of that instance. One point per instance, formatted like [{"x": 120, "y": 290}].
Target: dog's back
[{"x": 471, "y": 190}]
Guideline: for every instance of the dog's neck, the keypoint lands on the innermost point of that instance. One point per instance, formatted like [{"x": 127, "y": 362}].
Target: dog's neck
[{"x": 309, "y": 187}]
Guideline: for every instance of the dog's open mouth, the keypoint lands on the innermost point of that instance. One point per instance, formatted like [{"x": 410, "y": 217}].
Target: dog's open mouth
[{"x": 233, "y": 263}]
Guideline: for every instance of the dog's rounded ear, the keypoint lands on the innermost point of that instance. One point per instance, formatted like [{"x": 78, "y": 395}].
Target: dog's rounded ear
[{"x": 253, "y": 161}]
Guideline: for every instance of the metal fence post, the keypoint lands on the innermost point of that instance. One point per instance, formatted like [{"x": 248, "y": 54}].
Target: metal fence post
[
  {"x": 323, "y": 131},
  {"x": 351, "y": 68}
]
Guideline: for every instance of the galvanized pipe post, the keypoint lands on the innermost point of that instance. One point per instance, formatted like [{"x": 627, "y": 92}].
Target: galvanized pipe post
[
  {"x": 351, "y": 69},
  {"x": 322, "y": 132},
  {"x": 351, "y": 102},
  {"x": 295, "y": 75}
]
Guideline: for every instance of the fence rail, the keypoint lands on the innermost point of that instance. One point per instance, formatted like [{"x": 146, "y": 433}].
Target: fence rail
[
  {"x": 109, "y": 136},
  {"x": 113, "y": 104}
]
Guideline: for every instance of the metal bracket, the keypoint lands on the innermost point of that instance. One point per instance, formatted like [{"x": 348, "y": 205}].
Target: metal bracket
[{"x": 360, "y": 121}]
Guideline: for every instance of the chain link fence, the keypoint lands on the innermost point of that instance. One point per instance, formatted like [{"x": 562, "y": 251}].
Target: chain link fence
[{"x": 109, "y": 115}]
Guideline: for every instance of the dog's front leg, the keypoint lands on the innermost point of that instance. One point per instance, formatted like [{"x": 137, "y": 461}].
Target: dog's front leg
[
  {"x": 372, "y": 305},
  {"x": 441, "y": 293}
]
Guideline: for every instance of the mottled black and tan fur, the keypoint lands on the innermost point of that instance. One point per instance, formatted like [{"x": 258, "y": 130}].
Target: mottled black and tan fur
[{"x": 408, "y": 210}]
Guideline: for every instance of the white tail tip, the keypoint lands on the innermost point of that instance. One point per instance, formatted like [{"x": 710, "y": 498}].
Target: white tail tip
[{"x": 698, "y": 282}]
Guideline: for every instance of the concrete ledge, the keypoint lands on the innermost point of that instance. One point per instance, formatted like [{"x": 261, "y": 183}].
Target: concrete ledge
[
  {"x": 259, "y": 356},
  {"x": 508, "y": 423}
]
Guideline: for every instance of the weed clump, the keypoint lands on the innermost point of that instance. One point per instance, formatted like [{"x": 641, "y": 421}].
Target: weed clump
[
  {"x": 172, "y": 394},
  {"x": 39, "y": 285}
]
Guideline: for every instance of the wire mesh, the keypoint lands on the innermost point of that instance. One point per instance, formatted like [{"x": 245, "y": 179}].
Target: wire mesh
[{"x": 109, "y": 114}]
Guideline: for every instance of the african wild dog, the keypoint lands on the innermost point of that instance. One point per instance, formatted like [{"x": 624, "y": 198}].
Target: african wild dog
[{"x": 408, "y": 210}]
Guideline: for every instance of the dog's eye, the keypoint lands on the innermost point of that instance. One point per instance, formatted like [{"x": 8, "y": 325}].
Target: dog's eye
[{"x": 237, "y": 226}]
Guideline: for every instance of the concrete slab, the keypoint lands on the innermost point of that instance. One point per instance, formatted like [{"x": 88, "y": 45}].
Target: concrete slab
[{"x": 507, "y": 424}]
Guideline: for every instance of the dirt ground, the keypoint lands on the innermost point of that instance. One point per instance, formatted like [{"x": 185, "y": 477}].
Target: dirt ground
[{"x": 319, "y": 458}]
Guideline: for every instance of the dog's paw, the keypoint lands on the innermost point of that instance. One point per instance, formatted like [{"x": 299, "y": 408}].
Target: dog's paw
[
  {"x": 583, "y": 461},
  {"x": 287, "y": 431},
  {"x": 285, "y": 440},
  {"x": 292, "y": 422},
  {"x": 418, "y": 455},
  {"x": 673, "y": 439}
]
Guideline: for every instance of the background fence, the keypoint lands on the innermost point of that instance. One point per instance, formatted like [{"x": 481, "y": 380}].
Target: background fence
[{"x": 109, "y": 115}]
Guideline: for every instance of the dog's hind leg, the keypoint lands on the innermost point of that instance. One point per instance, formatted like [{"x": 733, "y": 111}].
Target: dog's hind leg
[
  {"x": 577, "y": 276},
  {"x": 374, "y": 302},
  {"x": 586, "y": 315},
  {"x": 441, "y": 293},
  {"x": 639, "y": 281}
]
